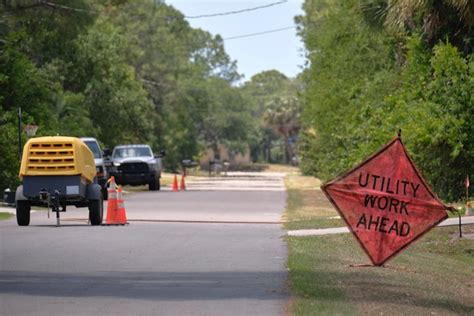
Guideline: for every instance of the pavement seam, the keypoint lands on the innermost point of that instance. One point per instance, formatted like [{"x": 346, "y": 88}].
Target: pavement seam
[{"x": 183, "y": 221}]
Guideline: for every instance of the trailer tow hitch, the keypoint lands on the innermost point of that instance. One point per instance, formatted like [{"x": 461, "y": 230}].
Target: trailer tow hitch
[{"x": 54, "y": 202}]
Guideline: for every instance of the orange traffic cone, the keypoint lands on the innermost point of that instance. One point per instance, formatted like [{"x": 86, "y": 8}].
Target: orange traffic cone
[
  {"x": 182, "y": 187},
  {"x": 121, "y": 217},
  {"x": 112, "y": 202},
  {"x": 175, "y": 184}
]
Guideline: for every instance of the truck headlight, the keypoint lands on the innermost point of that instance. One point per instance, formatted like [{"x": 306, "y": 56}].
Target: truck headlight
[{"x": 116, "y": 164}]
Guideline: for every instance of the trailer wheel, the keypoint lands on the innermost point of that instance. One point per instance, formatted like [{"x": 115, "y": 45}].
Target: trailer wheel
[
  {"x": 23, "y": 209},
  {"x": 96, "y": 211}
]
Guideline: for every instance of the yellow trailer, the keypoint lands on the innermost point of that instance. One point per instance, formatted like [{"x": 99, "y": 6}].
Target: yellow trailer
[{"x": 57, "y": 171}]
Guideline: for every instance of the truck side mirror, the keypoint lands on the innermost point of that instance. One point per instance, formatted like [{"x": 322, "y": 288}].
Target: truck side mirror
[
  {"x": 162, "y": 153},
  {"x": 107, "y": 152}
]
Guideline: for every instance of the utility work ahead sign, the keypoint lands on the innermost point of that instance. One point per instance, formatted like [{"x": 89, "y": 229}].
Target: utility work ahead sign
[{"x": 385, "y": 202}]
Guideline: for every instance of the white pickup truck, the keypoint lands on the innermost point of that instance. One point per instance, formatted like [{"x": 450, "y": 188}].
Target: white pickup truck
[{"x": 136, "y": 165}]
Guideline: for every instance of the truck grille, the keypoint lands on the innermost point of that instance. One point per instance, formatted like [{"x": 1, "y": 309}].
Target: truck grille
[
  {"x": 51, "y": 157},
  {"x": 134, "y": 167}
]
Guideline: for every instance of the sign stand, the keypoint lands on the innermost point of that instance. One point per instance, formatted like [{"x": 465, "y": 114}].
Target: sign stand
[
  {"x": 460, "y": 225},
  {"x": 363, "y": 265}
]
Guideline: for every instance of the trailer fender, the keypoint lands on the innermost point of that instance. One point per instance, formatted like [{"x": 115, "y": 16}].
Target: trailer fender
[
  {"x": 19, "y": 194},
  {"x": 93, "y": 191}
]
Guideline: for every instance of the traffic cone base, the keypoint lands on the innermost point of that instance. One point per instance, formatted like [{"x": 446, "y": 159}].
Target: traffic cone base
[
  {"x": 115, "y": 206},
  {"x": 175, "y": 184},
  {"x": 121, "y": 216},
  {"x": 112, "y": 201}
]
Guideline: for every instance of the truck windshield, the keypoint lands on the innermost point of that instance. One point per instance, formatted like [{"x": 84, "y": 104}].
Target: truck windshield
[
  {"x": 94, "y": 148},
  {"x": 132, "y": 152}
]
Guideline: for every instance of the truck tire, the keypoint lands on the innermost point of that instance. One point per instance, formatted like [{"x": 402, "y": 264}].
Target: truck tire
[
  {"x": 96, "y": 211},
  {"x": 23, "y": 209},
  {"x": 154, "y": 184}
]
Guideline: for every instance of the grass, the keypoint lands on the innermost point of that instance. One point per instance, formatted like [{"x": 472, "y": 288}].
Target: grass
[
  {"x": 307, "y": 206},
  {"x": 5, "y": 215},
  {"x": 433, "y": 276},
  {"x": 282, "y": 168}
]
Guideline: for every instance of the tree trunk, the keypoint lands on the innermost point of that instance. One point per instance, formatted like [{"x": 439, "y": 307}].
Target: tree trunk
[{"x": 287, "y": 151}]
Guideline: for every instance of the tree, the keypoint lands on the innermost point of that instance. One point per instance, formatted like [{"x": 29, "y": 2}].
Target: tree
[
  {"x": 348, "y": 62},
  {"x": 227, "y": 119},
  {"x": 262, "y": 93},
  {"x": 365, "y": 82},
  {"x": 437, "y": 20},
  {"x": 283, "y": 115},
  {"x": 180, "y": 68},
  {"x": 123, "y": 71},
  {"x": 21, "y": 86},
  {"x": 117, "y": 102}
]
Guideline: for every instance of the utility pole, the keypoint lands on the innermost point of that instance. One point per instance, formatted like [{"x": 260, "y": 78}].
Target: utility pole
[{"x": 19, "y": 134}]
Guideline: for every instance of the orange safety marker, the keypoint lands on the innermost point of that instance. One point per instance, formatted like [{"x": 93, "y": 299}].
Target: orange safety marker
[
  {"x": 182, "y": 187},
  {"x": 112, "y": 201},
  {"x": 385, "y": 202},
  {"x": 115, "y": 209},
  {"x": 121, "y": 217},
  {"x": 175, "y": 184}
]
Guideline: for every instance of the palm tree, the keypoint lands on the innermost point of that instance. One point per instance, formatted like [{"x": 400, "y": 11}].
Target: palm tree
[
  {"x": 283, "y": 115},
  {"x": 437, "y": 19}
]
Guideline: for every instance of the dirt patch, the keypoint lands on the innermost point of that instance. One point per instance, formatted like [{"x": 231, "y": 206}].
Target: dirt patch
[{"x": 467, "y": 232}]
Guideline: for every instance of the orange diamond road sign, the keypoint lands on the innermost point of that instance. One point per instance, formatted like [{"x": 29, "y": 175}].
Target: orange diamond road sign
[{"x": 385, "y": 202}]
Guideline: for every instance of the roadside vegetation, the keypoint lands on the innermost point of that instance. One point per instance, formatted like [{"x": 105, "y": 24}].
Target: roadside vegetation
[
  {"x": 127, "y": 71},
  {"x": 377, "y": 66},
  {"x": 307, "y": 206},
  {"x": 4, "y": 215},
  {"x": 331, "y": 275}
]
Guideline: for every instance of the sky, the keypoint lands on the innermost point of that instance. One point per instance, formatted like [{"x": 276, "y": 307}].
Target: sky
[{"x": 282, "y": 50}]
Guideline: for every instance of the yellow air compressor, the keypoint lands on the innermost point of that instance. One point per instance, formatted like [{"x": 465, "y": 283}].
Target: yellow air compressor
[{"x": 57, "y": 171}]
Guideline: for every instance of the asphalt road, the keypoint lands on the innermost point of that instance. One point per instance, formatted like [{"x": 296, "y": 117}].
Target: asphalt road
[{"x": 154, "y": 267}]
